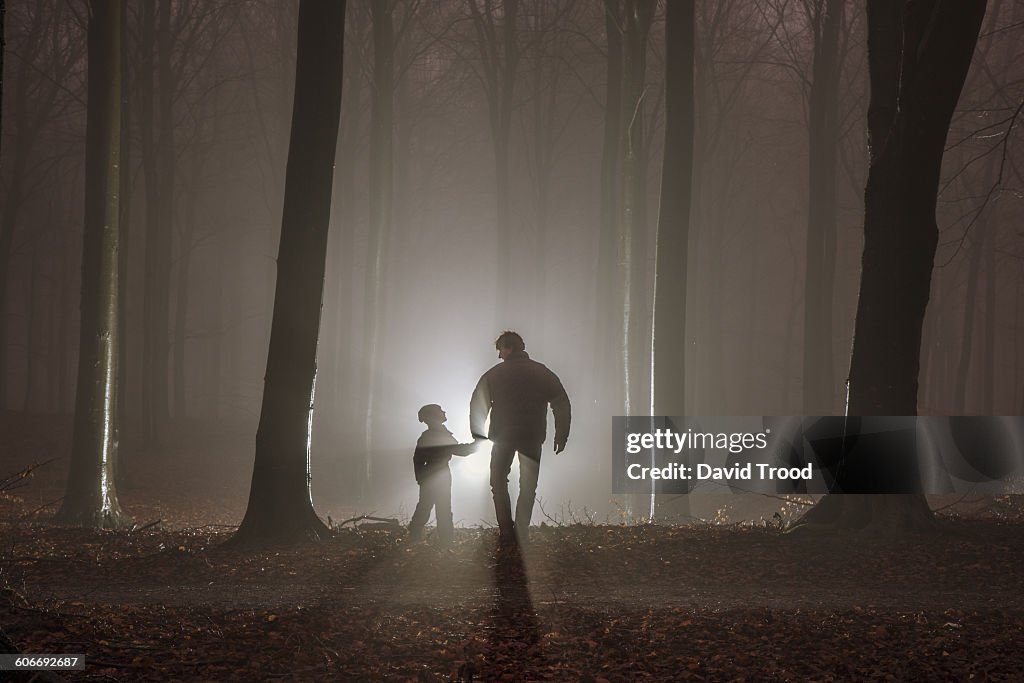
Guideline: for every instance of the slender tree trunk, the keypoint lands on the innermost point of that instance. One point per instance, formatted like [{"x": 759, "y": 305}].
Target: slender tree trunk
[
  {"x": 30, "y": 335},
  {"x": 674, "y": 218},
  {"x": 280, "y": 507},
  {"x": 3, "y": 53},
  {"x": 607, "y": 359},
  {"x": 166, "y": 155},
  {"x": 151, "y": 284},
  {"x": 819, "y": 283},
  {"x": 632, "y": 236},
  {"x": 124, "y": 223},
  {"x": 91, "y": 498},
  {"x": 988, "y": 351},
  {"x": 345, "y": 377},
  {"x": 381, "y": 205},
  {"x": 64, "y": 331},
  {"x": 181, "y": 305},
  {"x": 3, "y": 228}
]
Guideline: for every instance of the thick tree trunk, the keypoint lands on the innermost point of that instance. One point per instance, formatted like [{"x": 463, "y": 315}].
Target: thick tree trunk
[
  {"x": 280, "y": 507},
  {"x": 90, "y": 498},
  {"x": 674, "y": 218},
  {"x": 820, "y": 392},
  {"x": 3, "y": 228},
  {"x": 900, "y": 232}
]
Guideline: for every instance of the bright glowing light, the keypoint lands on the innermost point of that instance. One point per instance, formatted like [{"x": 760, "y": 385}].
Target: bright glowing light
[{"x": 476, "y": 465}]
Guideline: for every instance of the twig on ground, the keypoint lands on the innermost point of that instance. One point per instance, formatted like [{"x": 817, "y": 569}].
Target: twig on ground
[
  {"x": 135, "y": 529},
  {"x": 370, "y": 517},
  {"x": 540, "y": 504},
  {"x": 43, "y": 507}
]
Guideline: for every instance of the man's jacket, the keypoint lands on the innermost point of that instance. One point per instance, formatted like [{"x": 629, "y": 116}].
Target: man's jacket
[{"x": 516, "y": 393}]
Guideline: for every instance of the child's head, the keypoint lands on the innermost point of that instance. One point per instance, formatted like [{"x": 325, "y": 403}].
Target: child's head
[{"x": 431, "y": 414}]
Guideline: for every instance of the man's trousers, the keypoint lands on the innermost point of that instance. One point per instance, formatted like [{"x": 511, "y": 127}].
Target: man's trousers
[{"x": 529, "y": 471}]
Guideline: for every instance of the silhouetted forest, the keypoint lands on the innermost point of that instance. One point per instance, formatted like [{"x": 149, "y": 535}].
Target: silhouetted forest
[{"x": 242, "y": 242}]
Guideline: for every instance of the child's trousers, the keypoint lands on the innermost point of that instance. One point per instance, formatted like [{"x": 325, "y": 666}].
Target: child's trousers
[{"x": 435, "y": 492}]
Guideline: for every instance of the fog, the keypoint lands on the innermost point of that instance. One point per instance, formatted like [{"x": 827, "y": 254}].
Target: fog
[{"x": 414, "y": 301}]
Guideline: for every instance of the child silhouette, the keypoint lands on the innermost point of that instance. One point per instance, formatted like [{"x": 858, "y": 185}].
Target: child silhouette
[{"x": 434, "y": 450}]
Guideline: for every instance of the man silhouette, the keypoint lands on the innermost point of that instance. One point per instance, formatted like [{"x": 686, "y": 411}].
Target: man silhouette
[{"x": 516, "y": 393}]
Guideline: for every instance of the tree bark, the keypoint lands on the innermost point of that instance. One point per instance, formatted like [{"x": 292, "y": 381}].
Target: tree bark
[
  {"x": 609, "y": 352},
  {"x": 280, "y": 508},
  {"x": 631, "y": 298},
  {"x": 900, "y": 232},
  {"x": 927, "y": 68},
  {"x": 381, "y": 204},
  {"x": 669, "y": 373},
  {"x": 91, "y": 498},
  {"x": 674, "y": 217}
]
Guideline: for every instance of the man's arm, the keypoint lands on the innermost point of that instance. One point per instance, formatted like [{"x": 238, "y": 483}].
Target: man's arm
[
  {"x": 563, "y": 413},
  {"x": 479, "y": 407}
]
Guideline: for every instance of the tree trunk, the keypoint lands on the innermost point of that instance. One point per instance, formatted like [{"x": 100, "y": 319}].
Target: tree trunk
[
  {"x": 607, "y": 363},
  {"x": 900, "y": 232},
  {"x": 988, "y": 349},
  {"x": 669, "y": 371},
  {"x": 3, "y": 228},
  {"x": 631, "y": 298},
  {"x": 381, "y": 204},
  {"x": 280, "y": 507},
  {"x": 674, "y": 216},
  {"x": 124, "y": 223},
  {"x": 158, "y": 159},
  {"x": 91, "y": 498},
  {"x": 823, "y": 138},
  {"x": 30, "y": 334}
]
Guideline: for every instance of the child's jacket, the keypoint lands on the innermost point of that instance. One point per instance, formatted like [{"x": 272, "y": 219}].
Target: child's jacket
[{"x": 434, "y": 449}]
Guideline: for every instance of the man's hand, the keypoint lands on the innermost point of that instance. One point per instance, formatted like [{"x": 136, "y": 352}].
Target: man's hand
[{"x": 559, "y": 445}]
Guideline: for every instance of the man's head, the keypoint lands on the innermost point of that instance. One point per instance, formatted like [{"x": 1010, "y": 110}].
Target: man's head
[
  {"x": 431, "y": 414},
  {"x": 508, "y": 343}
]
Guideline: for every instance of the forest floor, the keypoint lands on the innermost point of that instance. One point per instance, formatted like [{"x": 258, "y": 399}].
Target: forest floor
[{"x": 581, "y": 602}]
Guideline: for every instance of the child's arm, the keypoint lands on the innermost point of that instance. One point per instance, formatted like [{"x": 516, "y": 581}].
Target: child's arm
[{"x": 464, "y": 449}]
